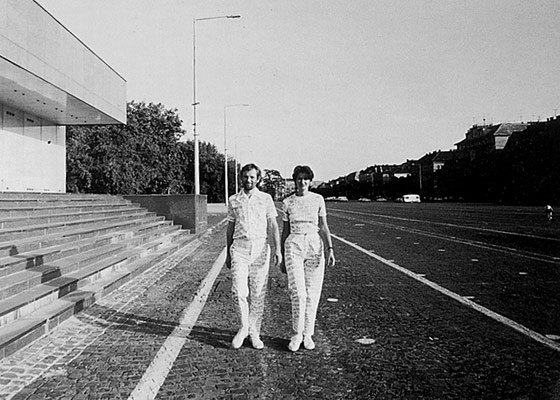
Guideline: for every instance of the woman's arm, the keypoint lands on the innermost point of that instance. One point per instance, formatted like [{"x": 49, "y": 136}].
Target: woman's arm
[{"x": 326, "y": 236}]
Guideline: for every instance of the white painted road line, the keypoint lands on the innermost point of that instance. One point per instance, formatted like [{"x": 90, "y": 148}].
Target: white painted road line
[
  {"x": 152, "y": 380},
  {"x": 474, "y": 243},
  {"x": 525, "y": 235},
  {"x": 500, "y": 318}
]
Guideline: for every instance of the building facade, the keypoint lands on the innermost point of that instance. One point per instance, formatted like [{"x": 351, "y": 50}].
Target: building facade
[
  {"x": 485, "y": 139},
  {"x": 49, "y": 79}
]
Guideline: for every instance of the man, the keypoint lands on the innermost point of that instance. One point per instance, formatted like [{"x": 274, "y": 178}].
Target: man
[{"x": 251, "y": 220}]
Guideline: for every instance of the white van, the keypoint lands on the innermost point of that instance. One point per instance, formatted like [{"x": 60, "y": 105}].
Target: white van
[{"x": 411, "y": 198}]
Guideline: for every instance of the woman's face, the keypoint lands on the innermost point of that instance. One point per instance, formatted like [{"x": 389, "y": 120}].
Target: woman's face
[{"x": 302, "y": 182}]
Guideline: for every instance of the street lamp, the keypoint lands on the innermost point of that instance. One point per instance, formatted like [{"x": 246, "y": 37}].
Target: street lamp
[
  {"x": 225, "y": 148},
  {"x": 235, "y": 156},
  {"x": 195, "y": 103}
]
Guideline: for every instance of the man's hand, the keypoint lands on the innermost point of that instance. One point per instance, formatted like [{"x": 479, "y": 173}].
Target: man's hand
[
  {"x": 283, "y": 267},
  {"x": 278, "y": 258},
  {"x": 228, "y": 260}
]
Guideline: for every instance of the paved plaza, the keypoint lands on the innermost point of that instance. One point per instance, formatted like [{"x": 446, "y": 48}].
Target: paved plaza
[{"x": 382, "y": 333}]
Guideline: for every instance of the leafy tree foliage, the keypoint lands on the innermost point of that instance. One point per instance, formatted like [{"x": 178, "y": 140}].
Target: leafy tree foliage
[
  {"x": 271, "y": 182},
  {"x": 144, "y": 156}
]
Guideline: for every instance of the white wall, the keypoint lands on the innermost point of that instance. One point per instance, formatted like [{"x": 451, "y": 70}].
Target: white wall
[{"x": 32, "y": 153}]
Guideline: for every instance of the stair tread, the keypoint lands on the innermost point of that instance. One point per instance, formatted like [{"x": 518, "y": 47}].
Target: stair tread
[
  {"x": 58, "y": 223},
  {"x": 59, "y": 253},
  {"x": 44, "y": 289},
  {"x": 41, "y": 252},
  {"x": 26, "y": 324},
  {"x": 92, "y": 211},
  {"x": 92, "y": 225}
]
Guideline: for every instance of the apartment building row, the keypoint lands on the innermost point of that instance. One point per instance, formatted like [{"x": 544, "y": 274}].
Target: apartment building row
[{"x": 420, "y": 174}]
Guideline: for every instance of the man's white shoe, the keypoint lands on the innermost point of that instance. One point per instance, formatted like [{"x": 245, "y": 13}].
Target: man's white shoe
[
  {"x": 257, "y": 342},
  {"x": 295, "y": 342},
  {"x": 238, "y": 339}
]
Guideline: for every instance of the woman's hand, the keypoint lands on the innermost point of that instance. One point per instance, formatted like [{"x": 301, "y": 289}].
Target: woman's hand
[{"x": 331, "y": 261}]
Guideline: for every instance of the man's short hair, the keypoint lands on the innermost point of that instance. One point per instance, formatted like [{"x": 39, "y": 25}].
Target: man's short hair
[
  {"x": 250, "y": 166},
  {"x": 305, "y": 170}
]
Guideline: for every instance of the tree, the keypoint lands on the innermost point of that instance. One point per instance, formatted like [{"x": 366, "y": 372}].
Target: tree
[
  {"x": 271, "y": 182},
  {"x": 139, "y": 157},
  {"x": 212, "y": 172}
]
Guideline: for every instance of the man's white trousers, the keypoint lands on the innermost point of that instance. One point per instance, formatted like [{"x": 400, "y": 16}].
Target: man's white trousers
[{"x": 250, "y": 266}]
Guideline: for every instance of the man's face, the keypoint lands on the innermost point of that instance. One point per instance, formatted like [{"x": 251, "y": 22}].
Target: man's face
[{"x": 249, "y": 179}]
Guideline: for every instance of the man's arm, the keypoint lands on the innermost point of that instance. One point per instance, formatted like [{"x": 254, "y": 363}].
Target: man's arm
[
  {"x": 285, "y": 234},
  {"x": 274, "y": 233},
  {"x": 229, "y": 242}
]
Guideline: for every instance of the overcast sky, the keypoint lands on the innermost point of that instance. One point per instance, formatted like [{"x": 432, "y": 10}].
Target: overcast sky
[{"x": 335, "y": 84}]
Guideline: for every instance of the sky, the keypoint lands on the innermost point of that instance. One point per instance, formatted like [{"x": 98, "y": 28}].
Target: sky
[{"x": 338, "y": 85}]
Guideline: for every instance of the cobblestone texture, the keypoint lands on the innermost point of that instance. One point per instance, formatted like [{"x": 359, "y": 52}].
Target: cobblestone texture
[{"x": 422, "y": 345}]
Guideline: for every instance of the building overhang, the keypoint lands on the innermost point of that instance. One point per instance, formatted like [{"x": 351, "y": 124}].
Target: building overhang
[{"x": 25, "y": 91}]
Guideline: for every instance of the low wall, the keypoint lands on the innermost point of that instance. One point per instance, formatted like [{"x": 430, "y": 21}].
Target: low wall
[{"x": 187, "y": 210}]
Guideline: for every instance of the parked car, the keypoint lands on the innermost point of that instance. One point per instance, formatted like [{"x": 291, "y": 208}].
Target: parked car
[
  {"x": 379, "y": 198},
  {"x": 411, "y": 198},
  {"x": 341, "y": 198},
  {"x": 364, "y": 199}
]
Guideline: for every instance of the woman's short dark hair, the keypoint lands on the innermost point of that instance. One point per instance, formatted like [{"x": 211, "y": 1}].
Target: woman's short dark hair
[
  {"x": 249, "y": 167},
  {"x": 305, "y": 170}
]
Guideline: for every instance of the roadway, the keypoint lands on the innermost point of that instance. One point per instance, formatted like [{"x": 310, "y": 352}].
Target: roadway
[
  {"x": 426, "y": 301},
  {"x": 506, "y": 259}
]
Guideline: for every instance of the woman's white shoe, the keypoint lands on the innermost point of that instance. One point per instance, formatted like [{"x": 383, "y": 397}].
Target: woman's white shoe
[{"x": 308, "y": 343}]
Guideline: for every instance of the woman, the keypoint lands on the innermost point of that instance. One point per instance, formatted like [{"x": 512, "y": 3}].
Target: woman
[{"x": 305, "y": 224}]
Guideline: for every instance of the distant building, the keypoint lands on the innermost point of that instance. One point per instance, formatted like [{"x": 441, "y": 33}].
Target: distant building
[
  {"x": 485, "y": 139},
  {"x": 424, "y": 170},
  {"x": 48, "y": 79}
]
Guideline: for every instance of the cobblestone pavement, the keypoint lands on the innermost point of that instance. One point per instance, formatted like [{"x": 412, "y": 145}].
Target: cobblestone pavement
[{"x": 380, "y": 335}]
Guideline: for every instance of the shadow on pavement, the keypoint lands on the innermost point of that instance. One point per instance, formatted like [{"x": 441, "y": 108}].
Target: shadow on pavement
[
  {"x": 221, "y": 338},
  {"x": 108, "y": 318}
]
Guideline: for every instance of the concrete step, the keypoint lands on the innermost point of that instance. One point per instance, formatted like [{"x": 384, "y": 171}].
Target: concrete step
[
  {"x": 25, "y": 330},
  {"x": 10, "y": 211},
  {"x": 55, "y": 261},
  {"x": 49, "y": 282},
  {"x": 29, "y": 244},
  {"x": 45, "y": 197},
  {"x": 59, "y": 253},
  {"x": 43, "y": 219},
  {"x": 15, "y": 233}
]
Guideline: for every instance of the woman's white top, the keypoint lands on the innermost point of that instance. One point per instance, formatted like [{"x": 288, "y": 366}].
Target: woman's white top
[{"x": 303, "y": 212}]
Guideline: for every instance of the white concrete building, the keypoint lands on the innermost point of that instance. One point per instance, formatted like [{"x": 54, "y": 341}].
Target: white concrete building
[{"x": 48, "y": 79}]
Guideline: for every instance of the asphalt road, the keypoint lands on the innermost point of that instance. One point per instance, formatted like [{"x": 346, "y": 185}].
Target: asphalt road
[
  {"x": 426, "y": 301},
  {"x": 504, "y": 258}
]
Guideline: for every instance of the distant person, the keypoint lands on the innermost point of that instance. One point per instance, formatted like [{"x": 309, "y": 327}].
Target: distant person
[
  {"x": 304, "y": 235},
  {"x": 548, "y": 211},
  {"x": 251, "y": 222}
]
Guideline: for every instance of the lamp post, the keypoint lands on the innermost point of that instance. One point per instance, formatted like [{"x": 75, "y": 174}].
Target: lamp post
[
  {"x": 195, "y": 103},
  {"x": 225, "y": 148},
  {"x": 235, "y": 156}
]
